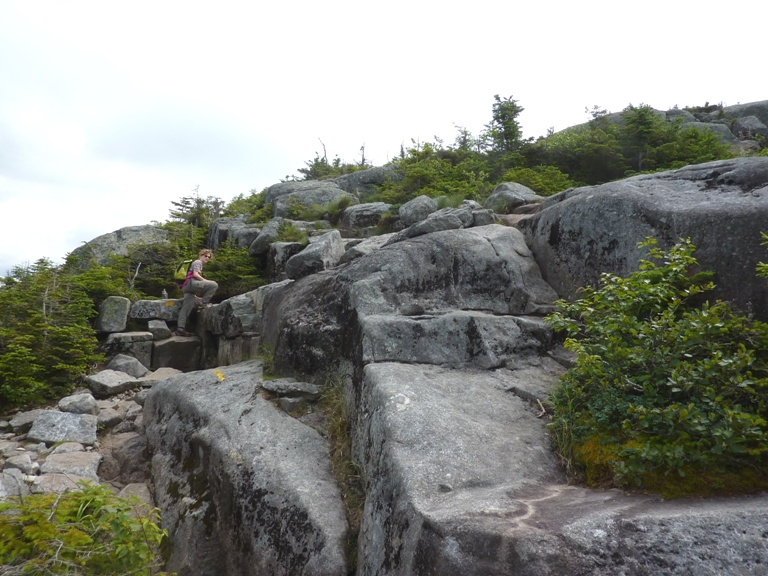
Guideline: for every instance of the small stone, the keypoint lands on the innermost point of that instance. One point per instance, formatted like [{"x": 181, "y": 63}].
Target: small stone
[
  {"x": 110, "y": 382},
  {"x": 21, "y": 462},
  {"x": 79, "y": 404},
  {"x": 67, "y": 447}
]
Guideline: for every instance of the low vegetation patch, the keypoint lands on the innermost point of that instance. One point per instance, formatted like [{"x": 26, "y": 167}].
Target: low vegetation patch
[
  {"x": 669, "y": 393},
  {"x": 84, "y": 532},
  {"x": 287, "y": 232},
  {"x": 348, "y": 473}
]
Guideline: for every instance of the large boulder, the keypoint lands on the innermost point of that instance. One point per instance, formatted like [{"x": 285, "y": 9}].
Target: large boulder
[
  {"x": 83, "y": 403},
  {"x": 127, "y": 364},
  {"x": 365, "y": 247},
  {"x": 82, "y": 464},
  {"x": 316, "y": 322},
  {"x": 363, "y": 215},
  {"x": 757, "y": 109},
  {"x": 243, "y": 488},
  {"x": 109, "y": 383},
  {"x": 461, "y": 480},
  {"x": 279, "y": 254},
  {"x": 135, "y": 344},
  {"x": 458, "y": 338},
  {"x": 167, "y": 309},
  {"x": 306, "y": 193},
  {"x": 722, "y": 131},
  {"x": 52, "y": 426},
  {"x": 510, "y": 195},
  {"x": 180, "y": 352},
  {"x": 117, "y": 243},
  {"x": 321, "y": 254},
  {"x": 233, "y": 317},
  {"x": 235, "y": 230},
  {"x": 266, "y": 237},
  {"x": 749, "y": 127},
  {"x": 417, "y": 210},
  {"x": 721, "y": 206},
  {"x": 365, "y": 182}
]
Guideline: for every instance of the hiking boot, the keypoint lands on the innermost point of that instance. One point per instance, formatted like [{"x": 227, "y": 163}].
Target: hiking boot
[{"x": 183, "y": 332}]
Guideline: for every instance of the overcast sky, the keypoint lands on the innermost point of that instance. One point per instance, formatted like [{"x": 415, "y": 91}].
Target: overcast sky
[{"x": 111, "y": 110}]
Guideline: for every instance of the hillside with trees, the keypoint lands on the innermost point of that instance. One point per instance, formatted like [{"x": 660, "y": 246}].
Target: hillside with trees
[{"x": 46, "y": 339}]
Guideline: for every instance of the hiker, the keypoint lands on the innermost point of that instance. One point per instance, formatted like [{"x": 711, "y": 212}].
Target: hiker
[{"x": 193, "y": 286}]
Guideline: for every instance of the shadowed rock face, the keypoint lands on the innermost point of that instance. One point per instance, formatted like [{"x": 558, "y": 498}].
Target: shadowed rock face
[
  {"x": 245, "y": 489},
  {"x": 722, "y": 206}
]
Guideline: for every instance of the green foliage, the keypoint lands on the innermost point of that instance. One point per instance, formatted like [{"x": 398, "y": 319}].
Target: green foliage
[
  {"x": 320, "y": 169},
  {"x": 84, "y": 532},
  {"x": 452, "y": 201},
  {"x": 253, "y": 206},
  {"x": 147, "y": 270},
  {"x": 668, "y": 389},
  {"x": 289, "y": 233},
  {"x": 46, "y": 341},
  {"x": 762, "y": 267},
  {"x": 197, "y": 211},
  {"x": 331, "y": 211},
  {"x": 433, "y": 170},
  {"x": 544, "y": 180},
  {"x": 503, "y": 136},
  {"x": 234, "y": 270},
  {"x": 187, "y": 239},
  {"x": 640, "y": 140}
]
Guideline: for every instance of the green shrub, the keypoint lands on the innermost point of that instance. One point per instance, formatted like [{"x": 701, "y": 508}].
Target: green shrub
[
  {"x": 46, "y": 340},
  {"x": 669, "y": 392},
  {"x": 84, "y": 532},
  {"x": 544, "y": 180},
  {"x": 289, "y": 233},
  {"x": 331, "y": 211},
  {"x": 234, "y": 270},
  {"x": 452, "y": 201}
]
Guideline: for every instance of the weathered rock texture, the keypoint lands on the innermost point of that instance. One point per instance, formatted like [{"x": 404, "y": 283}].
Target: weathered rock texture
[
  {"x": 244, "y": 488},
  {"x": 316, "y": 322},
  {"x": 113, "y": 314},
  {"x": 461, "y": 480},
  {"x": 305, "y": 193},
  {"x": 364, "y": 182},
  {"x": 102, "y": 248},
  {"x": 721, "y": 206},
  {"x": 233, "y": 230}
]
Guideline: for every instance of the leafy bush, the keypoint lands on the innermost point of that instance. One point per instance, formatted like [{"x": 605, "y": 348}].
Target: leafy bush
[
  {"x": 669, "y": 392},
  {"x": 84, "y": 532}
]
